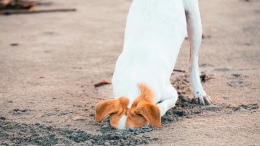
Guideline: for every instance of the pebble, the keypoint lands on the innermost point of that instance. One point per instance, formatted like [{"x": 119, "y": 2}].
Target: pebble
[
  {"x": 107, "y": 143},
  {"x": 2, "y": 118},
  {"x": 131, "y": 129},
  {"x": 118, "y": 133}
]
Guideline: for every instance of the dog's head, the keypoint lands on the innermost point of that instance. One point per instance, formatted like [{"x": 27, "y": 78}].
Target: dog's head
[{"x": 142, "y": 112}]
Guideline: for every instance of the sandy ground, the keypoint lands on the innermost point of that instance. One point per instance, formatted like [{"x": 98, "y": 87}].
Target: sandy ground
[{"x": 50, "y": 61}]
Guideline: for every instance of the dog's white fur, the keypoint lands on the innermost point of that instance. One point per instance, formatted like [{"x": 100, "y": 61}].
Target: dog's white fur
[{"x": 155, "y": 30}]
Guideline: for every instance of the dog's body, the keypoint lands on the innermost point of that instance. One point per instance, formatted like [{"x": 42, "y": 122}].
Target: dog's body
[{"x": 155, "y": 30}]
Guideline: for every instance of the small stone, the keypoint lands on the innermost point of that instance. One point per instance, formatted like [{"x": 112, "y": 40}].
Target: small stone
[
  {"x": 79, "y": 118},
  {"x": 92, "y": 141},
  {"x": 145, "y": 142},
  {"x": 131, "y": 129},
  {"x": 101, "y": 142},
  {"x": 145, "y": 136},
  {"x": 107, "y": 143},
  {"x": 236, "y": 75},
  {"x": 145, "y": 127},
  {"x": 136, "y": 132},
  {"x": 88, "y": 143},
  {"x": 37, "y": 124},
  {"x": 2, "y": 118},
  {"x": 14, "y": 44},
  {"x": 170, "y": 119},
  {"x": 118, "y": 133},
  {"x": 155, "y": 139},
  {"x": 105, "y": 126}
]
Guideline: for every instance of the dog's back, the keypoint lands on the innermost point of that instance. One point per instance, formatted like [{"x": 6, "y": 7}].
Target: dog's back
[{"x": 155, "y": 30}]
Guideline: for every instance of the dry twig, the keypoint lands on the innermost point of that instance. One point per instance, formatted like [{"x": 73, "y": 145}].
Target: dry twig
[
  {"x": 101, "y": 83},
  {"x": 178, "y": 70},
  {"x": 8, "y": 12},
  {"x": 8, "y": 7}
]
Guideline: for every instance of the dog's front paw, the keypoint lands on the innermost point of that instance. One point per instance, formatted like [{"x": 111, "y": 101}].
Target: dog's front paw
[
  {"x": 162, "y": 109},
  {"x": 202, "y": 100}
]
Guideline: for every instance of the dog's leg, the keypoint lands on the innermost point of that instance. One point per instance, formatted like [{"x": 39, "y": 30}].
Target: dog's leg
[
  {"x": 195, "y": 36},
  {"x": 169, "y": 99}
]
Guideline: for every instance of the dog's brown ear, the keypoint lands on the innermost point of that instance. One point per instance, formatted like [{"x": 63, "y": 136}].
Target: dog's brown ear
[
  {"x": 106, "y": 108},
  {"x": 109, "y": 107},
  {"x": 150, "y": 112}
]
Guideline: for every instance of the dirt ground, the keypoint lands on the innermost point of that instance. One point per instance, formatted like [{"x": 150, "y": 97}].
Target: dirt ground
[{"x": 49, "y": 63}]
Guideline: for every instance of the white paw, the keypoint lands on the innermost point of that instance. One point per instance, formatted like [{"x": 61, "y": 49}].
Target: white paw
[
  {"x": 202, "y": 99},
  {"x": 162, "y": 109}
]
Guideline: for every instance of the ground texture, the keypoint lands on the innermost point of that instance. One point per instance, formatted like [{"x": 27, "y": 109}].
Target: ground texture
[{"x": 50, "y": 62}]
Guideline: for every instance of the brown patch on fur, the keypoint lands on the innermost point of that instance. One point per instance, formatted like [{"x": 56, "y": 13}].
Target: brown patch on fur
[
  {"x": 146, "y": 93},
  {"x": 142, "y": 112}
]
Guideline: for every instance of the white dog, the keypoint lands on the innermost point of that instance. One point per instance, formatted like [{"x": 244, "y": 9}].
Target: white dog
[{"x": 155, "y": 30}]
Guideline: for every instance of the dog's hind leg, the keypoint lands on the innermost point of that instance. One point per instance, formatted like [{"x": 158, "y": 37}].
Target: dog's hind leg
[{"x": 195, "y": 36}]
